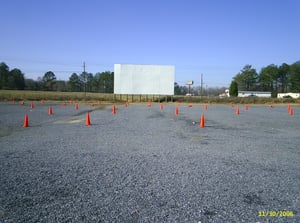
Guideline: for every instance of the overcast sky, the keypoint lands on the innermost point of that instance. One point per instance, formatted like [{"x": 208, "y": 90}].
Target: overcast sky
[{"x": 213, "y": 37}]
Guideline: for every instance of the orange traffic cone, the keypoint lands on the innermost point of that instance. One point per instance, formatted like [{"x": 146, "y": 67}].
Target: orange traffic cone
[
  {"x": 32, "y": 105},
  {"x": 202, "y": 122},
  {"x": 50, "y": 112},
  {"x": 76, "y": 106},
  {"x": 246, "y": 107},
  {"x": 161, "y": 106},
  {"x": 176, "y": 111},
  {"x": 87, "y": 120},
  {"x": 26, "y": 121},
  {"x": 237, "y": 111},
  {"x": 291, "y": 112},
  {"x": 114, "y": 110},
  {"x": 205, "y": 107}
]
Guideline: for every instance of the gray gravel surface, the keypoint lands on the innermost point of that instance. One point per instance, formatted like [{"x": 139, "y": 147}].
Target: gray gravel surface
[{"x": 148, "y": 165}]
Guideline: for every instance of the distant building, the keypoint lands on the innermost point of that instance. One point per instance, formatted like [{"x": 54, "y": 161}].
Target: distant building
[
  {"x": 225, "y": 94},
  {"x": 288, "y": 95},
  {"x": 261, "y": 94}
]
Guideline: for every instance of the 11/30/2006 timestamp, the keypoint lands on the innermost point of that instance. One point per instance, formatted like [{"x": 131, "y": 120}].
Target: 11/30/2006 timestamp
[{"x": 275, "y": 213}]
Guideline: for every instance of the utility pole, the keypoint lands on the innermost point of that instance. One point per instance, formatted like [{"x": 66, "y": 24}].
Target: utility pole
[
  {"x": 201, "y": 87},
  {"x": 84, "y": 79}
]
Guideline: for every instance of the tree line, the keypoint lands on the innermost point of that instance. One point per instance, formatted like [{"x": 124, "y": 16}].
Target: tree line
[
  {"x": 275, "y": 79},
  {"x": 101, "y": 82},
  {"x": 198, "y": 91},
  {"x": 85, "y": 82},
  {"x": 272, "y": 78}
]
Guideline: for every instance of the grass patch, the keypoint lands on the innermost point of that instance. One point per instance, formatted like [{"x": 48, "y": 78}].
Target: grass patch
[{"x": 9, "y": 95}]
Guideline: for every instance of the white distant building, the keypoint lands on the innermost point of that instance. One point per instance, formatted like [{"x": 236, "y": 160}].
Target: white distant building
[
  {"x": 261, "y": 94},
  {"x": 225, "y": 94},
  {"x": 288, "y": 95}
]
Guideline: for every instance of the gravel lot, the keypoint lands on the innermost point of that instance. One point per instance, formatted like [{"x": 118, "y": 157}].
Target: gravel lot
[{"x": 147, "y": 165}]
